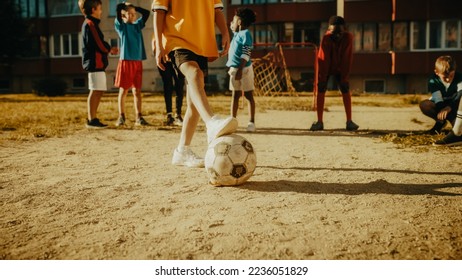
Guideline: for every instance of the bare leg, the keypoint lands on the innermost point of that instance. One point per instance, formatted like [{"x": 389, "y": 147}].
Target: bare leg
[
  {"x": 196, "y": 92},
  {"x": 249, "y": 96},
  {"x": 235, "y": 103},
  {"x": 93, "y": 101},
  {"x": 191, "y": 118},
  {"x": 137, "y": 98},
  {"x": 121, "y": 100}
]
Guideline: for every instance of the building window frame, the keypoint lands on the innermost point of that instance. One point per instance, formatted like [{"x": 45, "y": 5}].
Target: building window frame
[
  {"x": 66, "y": 45},
  {"x": 434, "y": 36}
]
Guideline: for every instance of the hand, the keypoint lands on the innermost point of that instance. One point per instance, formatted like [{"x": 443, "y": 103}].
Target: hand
[
  {"x": 114, "y": 50},
  {"x": 121, "y": 6},
  {"x": 161, "y": 58},
  {"x": 238, "y": 76},
  {"x": 224, "y": 45},
  {"x": 444, "y": 113}
]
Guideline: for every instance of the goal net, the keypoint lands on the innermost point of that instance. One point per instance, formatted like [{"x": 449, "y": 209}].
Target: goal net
[{"x": 272, "y": 76}]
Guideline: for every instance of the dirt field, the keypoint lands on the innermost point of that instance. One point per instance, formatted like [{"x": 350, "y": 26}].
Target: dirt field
[{"x": 113, "y": 194}]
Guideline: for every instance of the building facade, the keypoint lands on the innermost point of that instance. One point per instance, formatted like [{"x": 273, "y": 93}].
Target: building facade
[{"x": 396, "y": 41}]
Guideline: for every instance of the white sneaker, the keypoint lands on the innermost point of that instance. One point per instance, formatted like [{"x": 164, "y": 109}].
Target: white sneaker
[
  {"x": 217, "y": 127},
  {"x": 251, "y": 127},
  {"x": 187, "y": 158}
]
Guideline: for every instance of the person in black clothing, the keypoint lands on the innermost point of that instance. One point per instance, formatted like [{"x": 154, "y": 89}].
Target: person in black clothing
[{"x": 172, "y": 81}]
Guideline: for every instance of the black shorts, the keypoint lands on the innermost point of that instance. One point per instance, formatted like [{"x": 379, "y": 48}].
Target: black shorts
[{"x": 181, "y": 56}]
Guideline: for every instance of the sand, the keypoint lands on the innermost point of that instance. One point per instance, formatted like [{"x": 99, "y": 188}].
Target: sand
[{"x": 113, "y": 194}]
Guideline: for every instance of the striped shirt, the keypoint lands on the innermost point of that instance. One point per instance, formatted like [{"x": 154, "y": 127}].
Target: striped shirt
[{"x": 240, "y": 48}]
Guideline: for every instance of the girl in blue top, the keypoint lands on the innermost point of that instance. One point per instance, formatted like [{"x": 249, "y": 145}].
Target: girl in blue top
[
  {"x": 241, "y": 71},
  {"x": 132, "y": 53}
]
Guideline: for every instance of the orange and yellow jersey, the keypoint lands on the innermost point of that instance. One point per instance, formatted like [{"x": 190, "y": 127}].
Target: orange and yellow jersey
[{"x": 189, "y": 24}]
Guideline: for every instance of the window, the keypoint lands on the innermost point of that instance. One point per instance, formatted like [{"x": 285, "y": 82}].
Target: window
[
  {"x": 32, "y": 8},
  {"x": 436, "y": 35},
  {"x": 369, "y": 37},
  {"x": 451, "y": 29},
  {"x": 112, "y": 7},
  {"x": 4, "y": 84},
  {"x": 264, "y": 33},
  {"x": 419, "y": 30},
  {"x": 384, "y": 42},
  {"x": 374, "y": 86},
  {"x": 78, "y": 83},
  {"x": 63, "y": 7},
  {"x": 305, "y": 32},
  {"x": 65, "y": 45},
  {"x": 357, "y": 31},
  {"x": 400, "y": 36}
]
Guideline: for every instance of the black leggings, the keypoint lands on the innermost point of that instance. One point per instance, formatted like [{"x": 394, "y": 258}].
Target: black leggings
[{"x": 172, "y": 81}]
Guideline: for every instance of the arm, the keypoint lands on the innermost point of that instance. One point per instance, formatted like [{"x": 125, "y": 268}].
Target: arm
[
  {"x": 324, "y": 58},
  {"x": 245, "y": 56},
  {"x": 158, "y": 23},
  {"x": 101, "y": 45},
  {"x": 120, "y": 7},
  {"x": 223, "y": 27},
  {"x": 347, "y": 58},
  {"x": 144, "y": 13}
]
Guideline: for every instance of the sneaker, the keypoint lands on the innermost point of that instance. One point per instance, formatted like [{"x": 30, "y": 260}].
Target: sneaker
[
  {"x": 141, "y": 122},
  {"x": 178, "y": 121},
  {"x": 95, "y": 123},
  {"x": 187, "y": 158},
  {"x": 449, "y": 140},
  {"x": 351, "y": 126},
  {"x": 436, "y": 129},
  {"x": 251, "y": 127},
  {"x": 317, "y": 126},
  {"x": 217, "y": 127},
  {"x": 120, "y": 121},
  {"x": 170, "y": 120}
]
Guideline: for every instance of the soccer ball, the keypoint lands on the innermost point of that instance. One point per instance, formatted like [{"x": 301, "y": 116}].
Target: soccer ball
[{"x": 230, "y": 160}]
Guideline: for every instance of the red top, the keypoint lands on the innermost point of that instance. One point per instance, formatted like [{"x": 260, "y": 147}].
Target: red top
[{"x": 335, "y": 57}]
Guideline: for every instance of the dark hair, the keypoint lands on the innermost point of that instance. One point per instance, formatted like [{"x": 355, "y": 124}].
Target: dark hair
[
  {"x": 89, "y": 5},
  {"x": 336, "y": 20},
  {"x": 246, "y": 15}
]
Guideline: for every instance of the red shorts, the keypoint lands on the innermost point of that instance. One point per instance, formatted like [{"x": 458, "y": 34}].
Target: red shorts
[{"x": 129, "y": 74}]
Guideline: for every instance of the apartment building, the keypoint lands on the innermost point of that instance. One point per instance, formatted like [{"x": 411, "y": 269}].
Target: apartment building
[{"x": 396, "y": 41}]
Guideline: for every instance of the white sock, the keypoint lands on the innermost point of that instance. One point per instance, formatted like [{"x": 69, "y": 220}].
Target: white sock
[
  {"x": 182, "y": 148},
  {"x": 458, "y": 124}
]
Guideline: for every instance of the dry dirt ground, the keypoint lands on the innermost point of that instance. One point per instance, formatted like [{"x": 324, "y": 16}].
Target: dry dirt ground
[{"x": 113, "y": 194}]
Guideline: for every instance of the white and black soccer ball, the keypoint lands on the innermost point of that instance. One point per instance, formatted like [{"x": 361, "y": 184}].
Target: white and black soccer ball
[{"x": 230, "y": 160}]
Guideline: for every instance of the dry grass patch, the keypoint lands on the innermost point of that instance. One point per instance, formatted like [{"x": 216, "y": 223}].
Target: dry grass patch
[{"x": 28, "y": 117}]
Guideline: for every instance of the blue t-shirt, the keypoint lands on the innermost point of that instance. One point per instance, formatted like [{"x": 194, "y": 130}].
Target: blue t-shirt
[
  {"x": 240, "y": 47},
  {"x": 131, "y": 40}
]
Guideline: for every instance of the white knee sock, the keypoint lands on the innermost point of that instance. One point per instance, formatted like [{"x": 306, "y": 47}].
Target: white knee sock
[
  {"x": 458, "y": 124},
  {"x": 457, "y": 128}
]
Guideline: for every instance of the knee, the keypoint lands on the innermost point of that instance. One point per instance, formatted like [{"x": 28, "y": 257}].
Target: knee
[
  {"x": 136, "y": 92},
  {"x": 322, "y": 87},
  {"x": 426, "y": 106},
  {"x": 248, "y": 95},
  {"x": 344, "y": 88}
]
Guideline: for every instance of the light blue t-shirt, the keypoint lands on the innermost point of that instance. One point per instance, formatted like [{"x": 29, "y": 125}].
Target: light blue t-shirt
[
  {"x": 240, "y": 47},
  {"x": 131, "y": 40}
]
